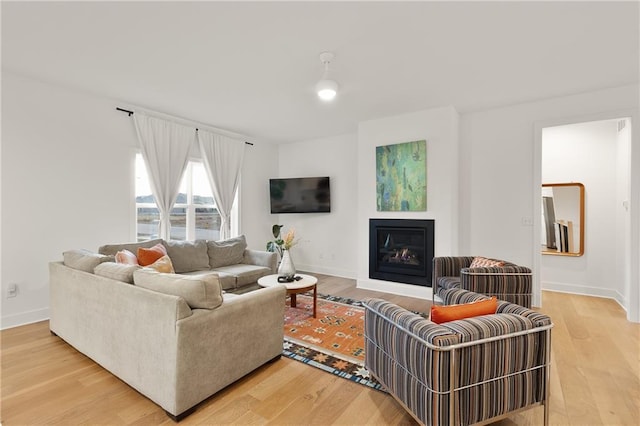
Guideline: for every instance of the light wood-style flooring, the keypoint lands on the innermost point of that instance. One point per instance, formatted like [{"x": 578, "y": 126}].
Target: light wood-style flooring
[{"x": 595, "y": 379}]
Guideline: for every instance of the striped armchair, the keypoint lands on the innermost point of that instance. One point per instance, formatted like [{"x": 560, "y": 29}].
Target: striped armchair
[
  {"x": 511, "y": 283},
  {"x": 462, "y": 372}
]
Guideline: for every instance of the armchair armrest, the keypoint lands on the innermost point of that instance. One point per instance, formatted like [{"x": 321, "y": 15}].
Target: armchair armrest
[
  {"x": 497, "y": 280},
  {"x": 261, "y": 258},
  {"x": 449, "y": 266}
]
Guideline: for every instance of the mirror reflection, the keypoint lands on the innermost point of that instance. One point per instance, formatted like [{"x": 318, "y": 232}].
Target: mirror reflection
[{"x": 563, "y": 219}]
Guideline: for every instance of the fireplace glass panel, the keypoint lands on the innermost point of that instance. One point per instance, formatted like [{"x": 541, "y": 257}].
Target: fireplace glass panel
[{"x": 401, "y": 250}]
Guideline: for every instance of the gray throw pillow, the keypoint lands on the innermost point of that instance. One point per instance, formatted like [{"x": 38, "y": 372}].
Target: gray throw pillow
[
  {"x": 188, "y": 256},
  {"x": 198, "y": 291},
  {"x": 226, "y": 252},
  {"x": 84, "y": 260},
  {"x": 117, "y": 271}
]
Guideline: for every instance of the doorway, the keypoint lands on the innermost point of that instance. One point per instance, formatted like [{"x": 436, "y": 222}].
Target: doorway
[{"x": 597, "y": 153}]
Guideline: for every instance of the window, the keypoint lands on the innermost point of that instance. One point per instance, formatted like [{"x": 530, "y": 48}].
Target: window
[{"x": 194, "y": 215}]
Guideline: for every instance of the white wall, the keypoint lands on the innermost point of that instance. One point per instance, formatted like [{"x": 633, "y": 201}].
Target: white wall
[
  {"x": 622, "y": 277},
  {"x": 585, "y": 153},
  {"x": 67, "y": 183},
  {"x": 328, "y": 241},
  {"x": 260, "y": 164},
  {"x": 500, "y": 173},
  {"x": 439, "y": 126}
]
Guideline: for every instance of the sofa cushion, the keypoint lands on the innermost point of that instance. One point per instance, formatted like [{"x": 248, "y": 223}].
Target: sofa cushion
[
  {"x": 84, "y": 260},
  {"x": 126, "y": 257},
  {"x": 147, "y": 256},
  {"x": 227, "y": 281},
  {"x": 199, "y": 292},
  {"x": 188, "y": 256},
  {"x": 117, "y": 271},
  {"x": 162, "y": 265},
  {"x": 440, "y": 314},
  {"x": 132, "y": 247},
  {"x": 245, "y": 274},
  {"x": 483, "y": 262},
  {"x": 226, "y": 252}
]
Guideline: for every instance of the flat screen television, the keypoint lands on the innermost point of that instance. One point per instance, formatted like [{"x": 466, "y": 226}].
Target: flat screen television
[{"x": 300, "y": 195}]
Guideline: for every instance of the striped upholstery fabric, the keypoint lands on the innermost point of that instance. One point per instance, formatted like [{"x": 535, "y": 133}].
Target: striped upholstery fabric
[
  {"x": 511, "y": 282},
  {"x": 448, "y": 282},
  {"x": 412, "y": 358}
]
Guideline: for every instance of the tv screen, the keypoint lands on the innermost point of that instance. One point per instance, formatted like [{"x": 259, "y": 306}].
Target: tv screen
[{"x": 300, "y": 195}]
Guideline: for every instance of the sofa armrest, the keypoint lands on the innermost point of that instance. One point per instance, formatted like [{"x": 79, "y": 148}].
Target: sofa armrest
[{"x": 261, "y": 258}]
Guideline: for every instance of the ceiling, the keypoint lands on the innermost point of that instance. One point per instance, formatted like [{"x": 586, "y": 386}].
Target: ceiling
[{"x": 251, "y": 67}]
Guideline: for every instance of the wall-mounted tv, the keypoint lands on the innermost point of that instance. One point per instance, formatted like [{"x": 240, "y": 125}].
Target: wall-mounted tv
[{"x": 300, "y": 195}]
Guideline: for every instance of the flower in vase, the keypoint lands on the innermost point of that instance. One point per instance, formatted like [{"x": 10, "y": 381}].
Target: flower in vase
[{"x": 289, "y": 239}]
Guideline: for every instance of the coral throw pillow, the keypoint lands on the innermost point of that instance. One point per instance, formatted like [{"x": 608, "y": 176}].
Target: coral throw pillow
[
  {"x": 483, "y": 262},
  {"x": 440, "y": 314},
  {"x": 126, "y": 257},
  {"x": 163, "y": 265},
  {"x": 146, "y": 256}
]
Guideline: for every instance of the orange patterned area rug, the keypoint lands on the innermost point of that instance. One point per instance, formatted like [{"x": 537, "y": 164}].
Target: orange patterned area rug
[{"x": 333, "y": 342}]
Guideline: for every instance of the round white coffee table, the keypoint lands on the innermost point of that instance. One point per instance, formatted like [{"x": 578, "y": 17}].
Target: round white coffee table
[{"x": 305, "y": 283}]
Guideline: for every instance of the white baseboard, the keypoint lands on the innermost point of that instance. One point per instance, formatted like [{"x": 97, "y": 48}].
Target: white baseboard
[
  {"x": 416, "y": 291},
  {"x": 585, "y": 291},
  {"x": 327, "y": 270},
  {"x": 24, "y": 318}
]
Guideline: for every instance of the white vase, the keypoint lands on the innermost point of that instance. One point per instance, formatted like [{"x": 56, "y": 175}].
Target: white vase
[{"x": 286, "y": 269}]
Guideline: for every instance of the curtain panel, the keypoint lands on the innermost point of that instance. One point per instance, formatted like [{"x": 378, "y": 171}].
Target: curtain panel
[
  {"x": 223, "y": 157},
  {"x": 165, "y": 148}
]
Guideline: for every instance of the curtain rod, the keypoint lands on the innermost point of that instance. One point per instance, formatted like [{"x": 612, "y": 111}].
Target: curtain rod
[{"x": 130, "y": 113}]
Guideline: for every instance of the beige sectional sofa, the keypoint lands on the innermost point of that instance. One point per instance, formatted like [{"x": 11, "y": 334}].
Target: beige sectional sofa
[{"x": 175, "y": 338}]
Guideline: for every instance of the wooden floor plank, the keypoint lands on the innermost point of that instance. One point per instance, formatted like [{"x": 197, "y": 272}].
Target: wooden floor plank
[{"x": 595, "y": 378}]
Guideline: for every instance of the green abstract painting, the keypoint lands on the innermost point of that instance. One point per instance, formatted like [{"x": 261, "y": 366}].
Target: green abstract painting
[{"x": 401, "y": 177}]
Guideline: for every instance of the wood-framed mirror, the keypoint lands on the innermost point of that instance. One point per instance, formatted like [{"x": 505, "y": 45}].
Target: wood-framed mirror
[{"x": 563, "y": 219}]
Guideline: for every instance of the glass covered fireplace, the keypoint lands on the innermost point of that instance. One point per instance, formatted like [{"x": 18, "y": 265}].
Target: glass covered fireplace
[{"x": 401, "y": 250}]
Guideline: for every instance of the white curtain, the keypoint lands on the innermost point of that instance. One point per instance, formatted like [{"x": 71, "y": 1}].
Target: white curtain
[
  {"x": 165, "y": 148},
  {"x": 223, "y": 158}
]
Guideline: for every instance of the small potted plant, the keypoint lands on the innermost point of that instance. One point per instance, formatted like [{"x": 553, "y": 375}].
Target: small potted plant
[{"x": 276, "y": 245}]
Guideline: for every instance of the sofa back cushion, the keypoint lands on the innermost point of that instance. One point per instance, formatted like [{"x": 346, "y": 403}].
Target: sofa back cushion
[
  {"x": 226, "y": 252},
  {"x": 188, "y": 256},
  {"x": 112, "y": 249},
  {"x": 199, "y": 292},
  {"x": 84, "y": 260},
  {"x": 117, "y": 271}
]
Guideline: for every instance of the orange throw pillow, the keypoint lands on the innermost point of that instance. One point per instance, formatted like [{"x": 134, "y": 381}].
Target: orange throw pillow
[
  {"x": 483, "y": 262},
  {"x": 146, "y": 256},
  {"x": 126, "y": 257},
  {"x": 440, "y": 314}
]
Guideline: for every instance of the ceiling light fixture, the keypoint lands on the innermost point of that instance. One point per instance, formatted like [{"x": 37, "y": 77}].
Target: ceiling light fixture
[{"x": 326, "y": 87}]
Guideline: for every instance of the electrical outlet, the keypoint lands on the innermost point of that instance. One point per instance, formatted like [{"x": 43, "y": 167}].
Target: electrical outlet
[{"x": 12, "y": 291}]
